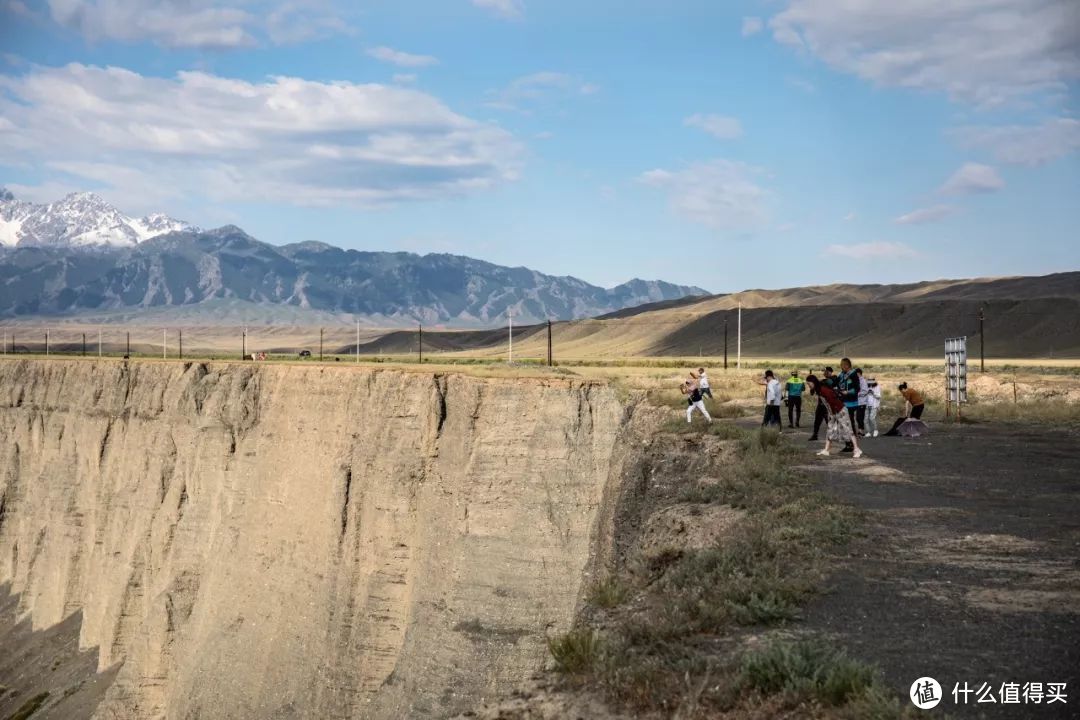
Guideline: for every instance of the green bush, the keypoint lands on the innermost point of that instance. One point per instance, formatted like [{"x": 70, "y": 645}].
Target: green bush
[{"x": 807, "y": 669}]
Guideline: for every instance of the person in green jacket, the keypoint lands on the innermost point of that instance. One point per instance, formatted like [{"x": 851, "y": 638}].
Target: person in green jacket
[{"x": 794, "y": 389}]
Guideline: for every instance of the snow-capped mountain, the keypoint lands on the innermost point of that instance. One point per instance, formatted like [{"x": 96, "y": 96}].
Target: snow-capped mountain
[
  {"x": 79, "y": 220},
  {"x": 83, "y": 255}
]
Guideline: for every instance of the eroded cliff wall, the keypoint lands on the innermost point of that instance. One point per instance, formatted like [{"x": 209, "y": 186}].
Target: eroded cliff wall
[{"x": 300, "y": 541}]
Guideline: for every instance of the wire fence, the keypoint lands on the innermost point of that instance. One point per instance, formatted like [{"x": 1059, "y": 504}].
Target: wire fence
[{"x": 614, "y": 341}]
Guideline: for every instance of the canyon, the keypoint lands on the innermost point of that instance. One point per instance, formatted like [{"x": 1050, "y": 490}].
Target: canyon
[{"x": 281, "y": 541}]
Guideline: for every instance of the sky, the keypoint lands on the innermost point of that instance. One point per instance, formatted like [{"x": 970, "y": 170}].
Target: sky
[{"x": 727, "y": 145}]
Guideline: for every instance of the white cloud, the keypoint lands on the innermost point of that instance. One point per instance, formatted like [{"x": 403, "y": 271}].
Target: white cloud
[
  {"x": 539, "y": 89},
  {"x": 198, "y": 23},
  {"x": 878, "y": 250},
  {"x": 402, "y": 59},
  {"x": 925, "y": 215},
  {"x": 283, "y": 140},
  {"x": 510, "y": 9},
  {"x": 973, "y": 178},
  {"x": 303, "y": 20},
  {"x": 983, "y": 51},
  {"x": 46, "y": 192},
  {"x": 1024, "y": 144},
  {"x": 721, "y": 194},
  {"x": 718, "y": 126},
  {"x": 404, "y": 78},
  {"x": 752, "y": 26}
]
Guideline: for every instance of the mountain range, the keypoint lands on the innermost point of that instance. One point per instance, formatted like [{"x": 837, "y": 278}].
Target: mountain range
[{"x": 81, "y": 255}]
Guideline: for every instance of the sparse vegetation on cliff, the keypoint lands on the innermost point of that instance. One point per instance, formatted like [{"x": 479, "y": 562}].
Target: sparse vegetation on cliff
[{"x": 707, "y": 631}]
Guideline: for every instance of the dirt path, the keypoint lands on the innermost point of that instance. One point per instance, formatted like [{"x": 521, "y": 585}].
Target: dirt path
[{"x": 970, "y": 571}]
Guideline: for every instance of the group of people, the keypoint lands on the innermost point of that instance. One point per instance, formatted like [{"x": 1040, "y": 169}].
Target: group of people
[{"x": 848, "y": 405}]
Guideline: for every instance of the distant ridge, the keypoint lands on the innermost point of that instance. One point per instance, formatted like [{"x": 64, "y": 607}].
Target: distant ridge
[{"x": 1025, "y": 317}]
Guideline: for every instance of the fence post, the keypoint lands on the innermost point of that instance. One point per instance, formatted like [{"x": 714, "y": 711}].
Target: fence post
[
  {"x": 982, "y": 341},
  {"x": 725, "y": 343},
  {"x": 549, "y": 343},
  {"x": 420, "y": 342}
]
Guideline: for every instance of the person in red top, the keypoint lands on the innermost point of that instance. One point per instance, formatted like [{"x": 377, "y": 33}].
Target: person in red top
[{"x": 839, "y": 422}]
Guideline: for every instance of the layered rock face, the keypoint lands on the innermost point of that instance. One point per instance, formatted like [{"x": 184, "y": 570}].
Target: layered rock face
[{"x": 301, "y": 541}]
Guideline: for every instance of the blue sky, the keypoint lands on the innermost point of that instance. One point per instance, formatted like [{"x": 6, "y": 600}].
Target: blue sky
[{"x": 726, "y": 145}]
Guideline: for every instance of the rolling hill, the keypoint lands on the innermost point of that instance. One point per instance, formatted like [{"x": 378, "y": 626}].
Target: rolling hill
[{"x": 1024, "y": 317}]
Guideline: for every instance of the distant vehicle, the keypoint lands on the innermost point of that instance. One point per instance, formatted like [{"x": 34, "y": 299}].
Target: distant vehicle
[{"x": 305, "y": 353}]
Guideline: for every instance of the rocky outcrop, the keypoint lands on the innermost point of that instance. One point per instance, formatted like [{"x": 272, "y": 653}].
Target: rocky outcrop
[{"x": 301, "y": 541}]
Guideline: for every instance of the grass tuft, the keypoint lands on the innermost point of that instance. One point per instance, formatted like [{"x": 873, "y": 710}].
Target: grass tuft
[
  {"x": 807, "y": 668},
  {"x": 609, "y": 593},
  {"x": 577, "y": 652}
]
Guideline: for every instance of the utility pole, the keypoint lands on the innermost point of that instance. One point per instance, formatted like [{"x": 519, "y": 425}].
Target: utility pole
[
  {"x": 127, "y": 353},
  {"x": 982, "y": 340},
  {"x": 46, "y": 343},
  {"x": 357, "y": 341},
  {"x": 549, "y": 343},
  {"x": 84, "y": 344},
  {"x": 99, "y": 342},
  {"x": 243, "y": 343},
  {"x": 320, "y": 344},
  {"x": 181, "y": 333},
  {"x": 510, "y": 318},
  {"x": 420, "y": 341},
  {"x": 738, "y": 342},
  {"x": 725, "y": 343},
  {"x": 164, "y": 344}
]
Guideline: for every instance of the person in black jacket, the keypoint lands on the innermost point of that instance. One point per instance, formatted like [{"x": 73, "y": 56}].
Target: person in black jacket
[
  {"x": 847, "y": 387},
  {"x": 694, "y": 400},
  {"x": 821, "y": 414}
]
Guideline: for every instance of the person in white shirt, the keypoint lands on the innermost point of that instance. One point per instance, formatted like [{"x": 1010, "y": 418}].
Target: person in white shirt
[
  {"x": 873, "y": 404},
  {"x": 773, "y": 399},
  {"x": 703, "y": 383},
  {"x": 860, "y": 412}
]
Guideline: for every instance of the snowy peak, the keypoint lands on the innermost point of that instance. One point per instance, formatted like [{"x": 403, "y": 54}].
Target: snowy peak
[
  {"x": 157, "y": 224},
  {"x": 78, "y": 220}
]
